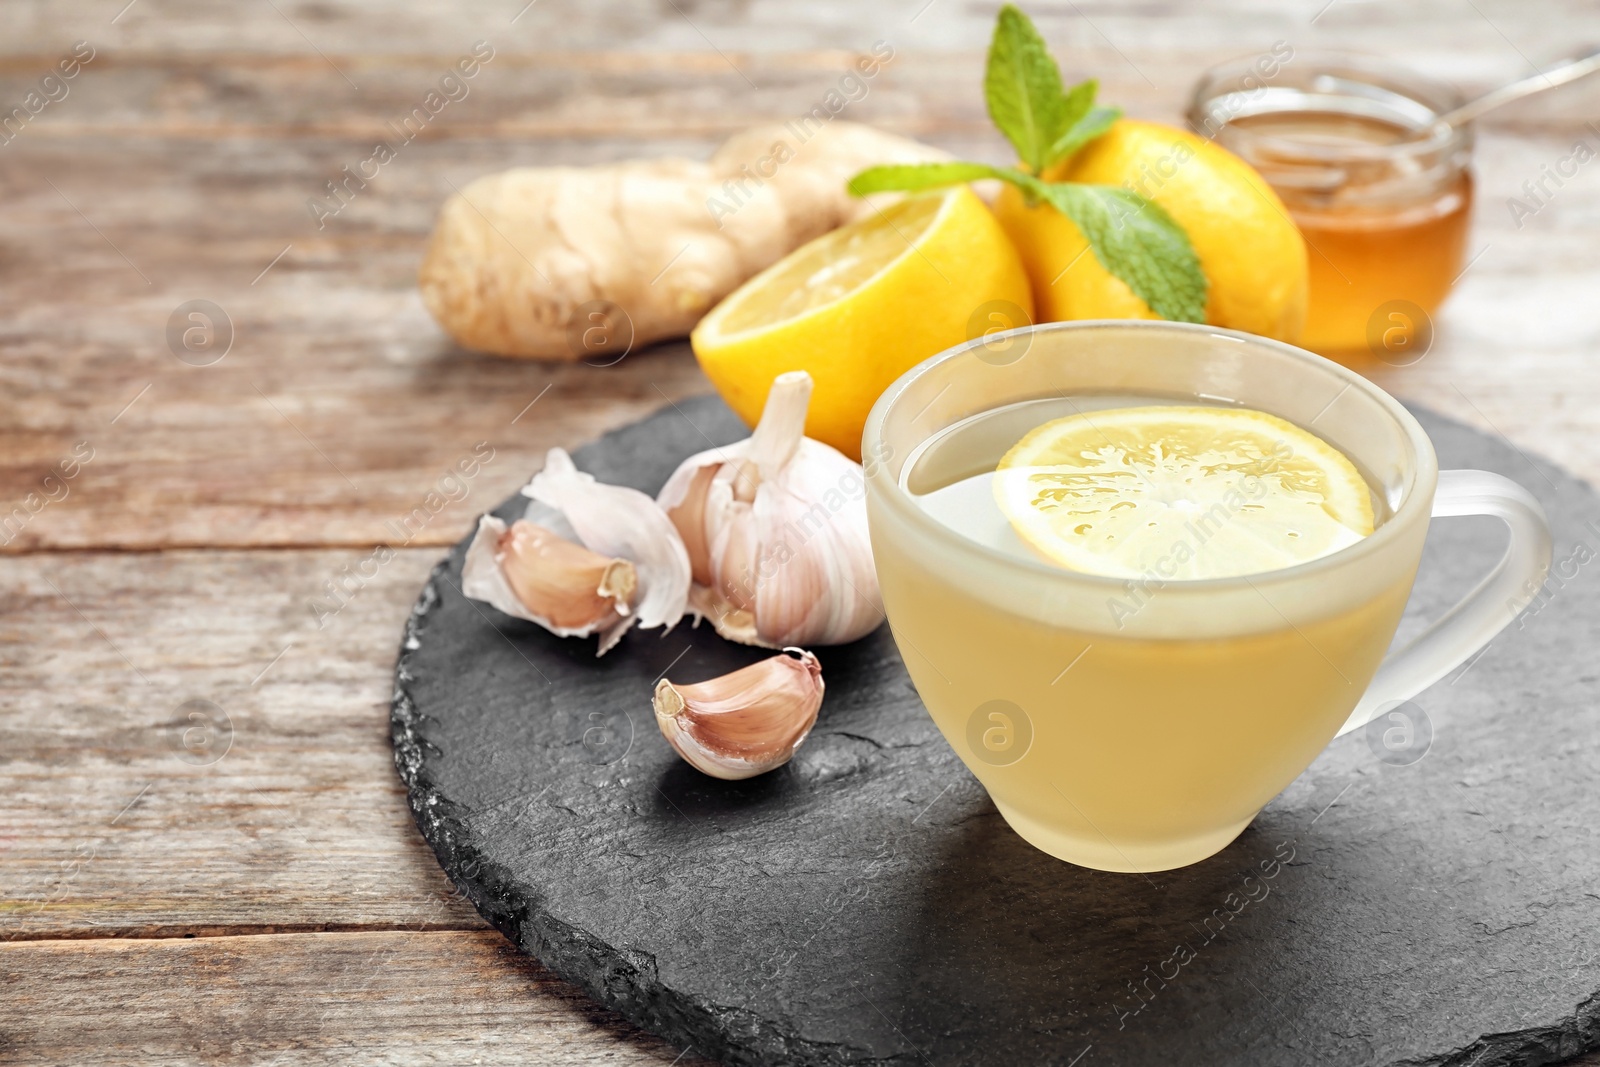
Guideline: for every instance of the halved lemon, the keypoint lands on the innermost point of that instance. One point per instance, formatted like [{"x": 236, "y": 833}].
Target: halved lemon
[
  {"x": 859, "y": 306},
  {"x": 1172, "y": 492}
]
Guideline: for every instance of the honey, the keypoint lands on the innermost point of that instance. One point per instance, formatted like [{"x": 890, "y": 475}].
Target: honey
[
  {"x": 1362, "y": 261},
  {"x": 1381, "y": 192}
]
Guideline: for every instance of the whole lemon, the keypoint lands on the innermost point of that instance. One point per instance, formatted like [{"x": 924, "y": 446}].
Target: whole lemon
[
  {"x": 1252, "y": 254},
  {"x": 857, "y": 307}
]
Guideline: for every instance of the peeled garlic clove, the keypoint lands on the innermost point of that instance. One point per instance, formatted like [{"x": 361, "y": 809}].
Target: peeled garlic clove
[
  {"x": 564, "y": 582},
  {"x": 782, "y": 524},
  {"x": 744, "y": 723},
  {"x": 623, "y": 523}
]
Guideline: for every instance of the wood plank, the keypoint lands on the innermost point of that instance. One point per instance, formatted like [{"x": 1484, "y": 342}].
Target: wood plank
[
  {"x": 124, "y": 816},
  {"x": 1432, "y": 31},
  {"x": 513, "y": 95},
  {"x": 601, "y": 96},
  {"x": 371, "y": 998}
]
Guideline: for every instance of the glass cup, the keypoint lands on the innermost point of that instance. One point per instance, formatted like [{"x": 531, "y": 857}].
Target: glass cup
[
  {"x": 1381, "y": 191},
  {"x": 1148, "y": 739}
]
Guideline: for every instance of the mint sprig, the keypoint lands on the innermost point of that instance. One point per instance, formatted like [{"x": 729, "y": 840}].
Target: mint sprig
[{"x": 1132, "y": 237}]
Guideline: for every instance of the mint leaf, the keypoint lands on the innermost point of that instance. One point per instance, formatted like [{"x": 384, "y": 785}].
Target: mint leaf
[
  {"x": 1076, "y": 103},
  {"x": 1095, "y": 122},
  {"x": 1022, "y": 87},
  {"x": 1136, "y": 240},
  {"x": 911, "y": 177}
]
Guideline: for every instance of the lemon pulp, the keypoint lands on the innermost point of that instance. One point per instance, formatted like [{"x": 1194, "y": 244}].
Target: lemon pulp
[
  {"x": 1176, "y": 492},
  {"x": 831, "y": 267}
]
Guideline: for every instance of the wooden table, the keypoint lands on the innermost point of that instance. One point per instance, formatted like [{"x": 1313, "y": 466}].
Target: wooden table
[{"x": 205, "y": 855}]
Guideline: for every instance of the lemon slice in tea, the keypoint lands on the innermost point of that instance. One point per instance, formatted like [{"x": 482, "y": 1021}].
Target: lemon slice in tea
[{"x": 1173, "y": 492}]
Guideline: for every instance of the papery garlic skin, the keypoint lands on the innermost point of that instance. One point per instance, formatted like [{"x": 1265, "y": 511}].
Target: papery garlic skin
[
  {"x": 609, "y": 523},
  {"x": 777, "y": 533},
  {"x": 744, "y": 723}
]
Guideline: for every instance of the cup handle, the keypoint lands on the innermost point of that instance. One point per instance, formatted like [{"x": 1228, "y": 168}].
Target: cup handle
[{"x": 1482, "y": 613}]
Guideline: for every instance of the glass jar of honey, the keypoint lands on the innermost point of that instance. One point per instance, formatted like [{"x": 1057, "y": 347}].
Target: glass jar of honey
[{"x": 1381, "y": 191}]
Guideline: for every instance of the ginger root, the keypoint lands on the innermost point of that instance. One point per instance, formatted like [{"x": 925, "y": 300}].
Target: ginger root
[{"x": 536, "y": 262}]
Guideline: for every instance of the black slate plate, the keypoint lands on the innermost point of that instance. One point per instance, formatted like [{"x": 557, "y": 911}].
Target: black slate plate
[{"x": 866, "y": 904}]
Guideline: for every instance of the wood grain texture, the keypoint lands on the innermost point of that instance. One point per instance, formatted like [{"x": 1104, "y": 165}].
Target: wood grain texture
[
  {"x": 398, "y": 999},
  {"x": 1436, "y": 32},
  {"x": 178, "y": 168},
  {"x": 339, "y": 406},
  {"x": 125, "y": 816}
]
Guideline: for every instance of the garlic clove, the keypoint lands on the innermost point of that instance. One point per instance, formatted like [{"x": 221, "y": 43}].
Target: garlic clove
[
  {"x": 529, "y": 571},
  {"x": 562, "y": 581},
  {"x": 744, "y": 723},
  {"x": 689, "y": 517},
  {"x": 736, "y": 555},
  {"x": 624, "y": 523},
  {"x": 734, "y": 624},
  {"x": 818, "y": 583}
]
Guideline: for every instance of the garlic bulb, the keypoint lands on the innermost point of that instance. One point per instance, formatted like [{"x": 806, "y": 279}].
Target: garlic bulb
[
  {"x": 587, "y": 558},
  {"x": 746, "y": 722},
  {"x": 776, "y": 531}
]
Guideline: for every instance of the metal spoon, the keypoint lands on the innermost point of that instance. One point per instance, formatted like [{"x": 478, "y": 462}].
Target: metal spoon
[{"x": 1580, "y": 66}]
